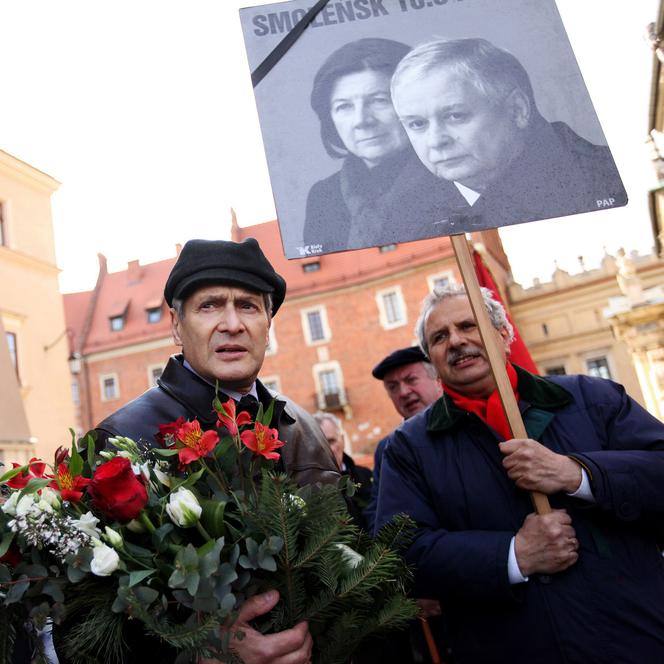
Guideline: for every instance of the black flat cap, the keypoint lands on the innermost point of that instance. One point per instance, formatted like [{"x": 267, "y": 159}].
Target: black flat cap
[
  {"x": 219, "y": 261},
  {"x": 398, "y": 359}
]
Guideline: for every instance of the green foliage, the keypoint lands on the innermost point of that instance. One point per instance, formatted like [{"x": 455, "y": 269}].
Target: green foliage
[{"x": 216, "y": 528}]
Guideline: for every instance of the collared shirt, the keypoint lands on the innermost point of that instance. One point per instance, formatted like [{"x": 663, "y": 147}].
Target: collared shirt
[
  {"x": 233, "y": 394},
  {"x": 469, "y": 194}
]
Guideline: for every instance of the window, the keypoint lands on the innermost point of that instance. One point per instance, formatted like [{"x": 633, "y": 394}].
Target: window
[
  {"x": 314, "y": 324},
  {"x": 3, "y": 228},
  {"x": 387, "y": 248},
  {"x": 330, "y": 393},
  {"x": 545, "y": 329},
  {"x": 117, "y": 323},
  {"x": 599, "y": 367},
  {"x": 440, "y": 280},
  {"x": 311, "y": 267},
  {"x": 13, "y": 351},
  {"x": 272, "y": 383},
  {"x": 75, "y": 392},
  {"x": 558, "y": 370},
  {"x": 153, "y": 315},
  {"x": 328, "y": 381},
  {"x": 154, "y": 372},
  {"x": 391, "y": 308},
  {"x": 109, "y": 387}
]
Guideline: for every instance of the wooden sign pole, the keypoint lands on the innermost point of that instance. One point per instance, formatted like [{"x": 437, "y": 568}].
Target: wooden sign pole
[{"x": 469, "y": 276}]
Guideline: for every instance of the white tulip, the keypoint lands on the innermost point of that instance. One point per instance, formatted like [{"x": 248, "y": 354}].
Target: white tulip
[
  {"x": 113, "y": 537},
  {"x": 183, "y": 508},
  {"x": 51, "y": 497},
  {"x": 105, "y": 560}
]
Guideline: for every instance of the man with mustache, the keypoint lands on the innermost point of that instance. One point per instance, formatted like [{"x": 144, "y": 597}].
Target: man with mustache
[
  {"x": 583, "y": 583},
  {"x": 223, "y": 296}
]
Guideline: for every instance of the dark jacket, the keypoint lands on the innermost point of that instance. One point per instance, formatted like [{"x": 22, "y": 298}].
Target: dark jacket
[
  {"x": 362, "y": 477},
  {"x": 444, "y": 468},
  {"x": 397, "y": 201},
  {"x": 306, "y": 456},
  {"x": 558, "y": 174}
]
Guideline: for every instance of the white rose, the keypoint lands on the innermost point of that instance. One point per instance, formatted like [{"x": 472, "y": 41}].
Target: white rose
[
  {"x": 88, "y": 524},
  {"x": 104, "y": 560},
  {"x": 113, "y": 537},
  {"x": 183, "y": 508}
]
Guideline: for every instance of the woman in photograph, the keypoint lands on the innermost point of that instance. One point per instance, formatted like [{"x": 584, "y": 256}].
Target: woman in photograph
[{"x": 351, "y": 97}]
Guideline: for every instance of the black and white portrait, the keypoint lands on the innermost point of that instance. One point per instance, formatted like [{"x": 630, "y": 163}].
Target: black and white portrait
[{"x": 397, "y": 120}]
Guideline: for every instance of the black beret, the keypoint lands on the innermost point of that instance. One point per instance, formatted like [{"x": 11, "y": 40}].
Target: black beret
[
  {"x": 219, "y": 261},
  {"x": 398, "y": 359}
]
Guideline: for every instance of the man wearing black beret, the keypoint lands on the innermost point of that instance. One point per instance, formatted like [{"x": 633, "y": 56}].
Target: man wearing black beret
[
  {"x": 412, "y": 384},
  {"x": 223, "y": 296}
]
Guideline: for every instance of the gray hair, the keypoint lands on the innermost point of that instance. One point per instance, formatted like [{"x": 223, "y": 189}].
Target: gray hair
[
  {"x": 494, "y": 72},
  {"x": 178, "y": 306},
  {"x": 494, "y": 308},
  {"x": 321, "y": 417}
]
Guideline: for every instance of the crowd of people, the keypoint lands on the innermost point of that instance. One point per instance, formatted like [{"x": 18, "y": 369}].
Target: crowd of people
[{"x": 495, "y": 581}]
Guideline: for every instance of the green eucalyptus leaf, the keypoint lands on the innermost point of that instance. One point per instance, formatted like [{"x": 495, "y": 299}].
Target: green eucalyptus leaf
[
  {"x": 6, "y": 541},
  {"x": 268, "y": 563},
  {"x": 191, "y": 582},
  {"x": 54, "y": 590},
  {"x": 145, "y": 595},
  {"x": 16, "y": 591},
  {"x": 138, "y": 576}
]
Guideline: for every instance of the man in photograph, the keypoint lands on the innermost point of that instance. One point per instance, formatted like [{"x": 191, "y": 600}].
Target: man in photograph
[
  {"x": 583, "y": 583},
  {"x": 223, "y": 296},
  {"x": 470, "y": 113}
]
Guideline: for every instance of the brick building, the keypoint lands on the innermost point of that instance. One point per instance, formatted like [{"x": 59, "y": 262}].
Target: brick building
[{"x": 343, "y": 312}]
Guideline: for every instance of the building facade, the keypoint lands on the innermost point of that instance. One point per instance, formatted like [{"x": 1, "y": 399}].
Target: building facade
[
  {"x": 343, "y": 313},
  {"x": 36, "y": 410},
  {"x": 580, "y": 324}
]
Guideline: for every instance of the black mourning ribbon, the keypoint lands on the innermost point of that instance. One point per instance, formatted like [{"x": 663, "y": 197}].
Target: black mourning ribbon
[{"x": 282, "y": 47}]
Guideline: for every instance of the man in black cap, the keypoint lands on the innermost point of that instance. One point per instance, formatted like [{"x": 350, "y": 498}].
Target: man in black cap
[
  {"x": 412, "y": 384},
  {"x": 222, "y": 297}
]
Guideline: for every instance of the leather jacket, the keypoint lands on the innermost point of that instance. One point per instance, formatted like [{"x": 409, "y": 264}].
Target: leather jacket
[{"x": 306, "y": 456}]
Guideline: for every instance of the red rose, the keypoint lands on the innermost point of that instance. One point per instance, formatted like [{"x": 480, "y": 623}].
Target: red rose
[{"x": 116, "y": 491}]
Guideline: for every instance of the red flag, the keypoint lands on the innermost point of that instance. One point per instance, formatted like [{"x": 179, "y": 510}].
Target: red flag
[{"x": 519, "y": 353}]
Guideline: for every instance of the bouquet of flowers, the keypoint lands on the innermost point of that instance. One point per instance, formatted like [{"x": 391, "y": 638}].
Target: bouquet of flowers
[{"x": 166, "y": 543}]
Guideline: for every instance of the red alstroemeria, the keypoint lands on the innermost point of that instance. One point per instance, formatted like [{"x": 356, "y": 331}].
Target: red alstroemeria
[
  {"x": 36, "y": 468},
  {"x": 228, "y": 419},
  {"x": 70, "y": 486},
  {"x": 262, "y": 441},
  {"x": 169, "y": 429},
  {"x": 197, "y": 443}
]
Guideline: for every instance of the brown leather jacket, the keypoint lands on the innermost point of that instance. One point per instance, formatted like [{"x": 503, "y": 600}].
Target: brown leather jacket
[{"x": 306, "y": 456}]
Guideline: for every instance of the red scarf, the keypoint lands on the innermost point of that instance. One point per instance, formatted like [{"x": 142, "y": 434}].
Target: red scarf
[{"x": 488, "y": 410}]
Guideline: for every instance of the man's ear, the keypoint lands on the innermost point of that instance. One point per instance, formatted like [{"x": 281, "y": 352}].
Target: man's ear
[
  {"x": 175, "y": 327},
  {"x": 520, "y": 108}
]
